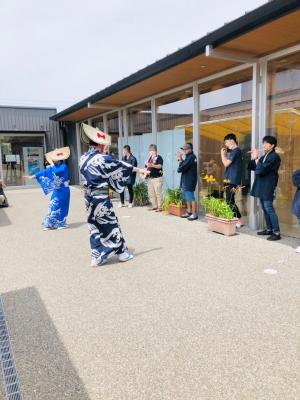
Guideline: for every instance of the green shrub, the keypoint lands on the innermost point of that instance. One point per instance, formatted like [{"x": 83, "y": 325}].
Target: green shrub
[
  {"x": 173, "y": 196},
  {"x": 140, "y": 191},
  {"x": 217, "y": 208}
]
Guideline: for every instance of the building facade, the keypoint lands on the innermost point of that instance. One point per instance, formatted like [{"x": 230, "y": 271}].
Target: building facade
[
  {"x": 25, "y": 135},
  {"x": 242, "y": 78}
]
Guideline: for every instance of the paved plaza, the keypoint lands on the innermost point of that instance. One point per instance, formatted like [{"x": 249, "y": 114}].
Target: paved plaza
[{"x": 195, "y": 315}]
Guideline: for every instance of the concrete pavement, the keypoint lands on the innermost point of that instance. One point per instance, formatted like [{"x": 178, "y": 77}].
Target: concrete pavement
[{"x": 192, "y": 317}]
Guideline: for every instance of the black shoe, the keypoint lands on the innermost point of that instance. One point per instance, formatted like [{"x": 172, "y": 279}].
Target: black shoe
[
  {"x": 186, "y": 215},
  {"x": 265, "y": 232},
  {"x": 192, "y": 217},
  {"x": 274, "y": 237}
]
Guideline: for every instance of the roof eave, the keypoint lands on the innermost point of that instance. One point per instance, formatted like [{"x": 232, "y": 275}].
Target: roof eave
[{"x": 254, "y": 19}]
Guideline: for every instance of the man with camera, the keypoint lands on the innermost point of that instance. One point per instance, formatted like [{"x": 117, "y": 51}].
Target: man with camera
[{"x": 188, "y": 182}]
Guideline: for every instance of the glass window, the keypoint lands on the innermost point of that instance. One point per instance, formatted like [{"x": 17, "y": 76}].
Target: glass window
[
  {"x": 21, "y": 155},
  {"x": 175, "y": 113},
  {"x": 113, "y": 130},
  {"x": 226, "y": 107},
  {"x": 283, "y": 121},
  {"x": 140, "y": 119}
]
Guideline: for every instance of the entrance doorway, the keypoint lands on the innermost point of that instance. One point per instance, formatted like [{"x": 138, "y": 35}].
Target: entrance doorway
[{"x": 21, "y": 154}]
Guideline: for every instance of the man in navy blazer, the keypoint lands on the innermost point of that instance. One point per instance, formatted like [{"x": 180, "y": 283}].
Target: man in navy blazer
[
  {"x": 265, "y": 183},
  {"x": 129, "y": 158}
]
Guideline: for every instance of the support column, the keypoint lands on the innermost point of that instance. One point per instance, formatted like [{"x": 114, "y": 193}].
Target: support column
[
  {"x": 262, "y": 123},
  {"x": 121, "y": 140},
  {"x": 154, "y": 121},
  {"x": 105, "y": 124},
  {"x": 78, "y": 149},
  {"x": 253, "y": 212},
  {"x": 125, "y": 126},
  {"x": 196, "y": 134}
]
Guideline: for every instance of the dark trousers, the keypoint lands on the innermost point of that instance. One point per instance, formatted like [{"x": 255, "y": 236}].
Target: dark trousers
[
  {"x": 230, "y": 199},
  {"x": 270, "y": 215},
  {"x": 130, "y": 191}
]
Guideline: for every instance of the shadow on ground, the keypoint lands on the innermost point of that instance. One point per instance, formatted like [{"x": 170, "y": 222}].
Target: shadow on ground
[
  {"x": 43, "y": 364},
  {"x": 74, "y": 225},
  {"x": 4, "y": 220},
  {"x": 145, "y": 251}
]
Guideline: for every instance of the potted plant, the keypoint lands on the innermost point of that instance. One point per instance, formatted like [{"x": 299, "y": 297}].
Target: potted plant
[
  {"x": 174, "y": 202},
  {"x": 219, "y": 216},
  {"x": 140, "y": 191}
]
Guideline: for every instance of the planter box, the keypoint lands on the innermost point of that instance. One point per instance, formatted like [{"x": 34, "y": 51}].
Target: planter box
[
  {"x": 176, "y": 210},
  {"x": 225, "y": 226}
]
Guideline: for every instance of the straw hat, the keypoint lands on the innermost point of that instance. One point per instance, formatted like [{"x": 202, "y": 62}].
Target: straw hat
[
  {"x": 88, "y": 133},
  {"x": 59, "y": 154}
]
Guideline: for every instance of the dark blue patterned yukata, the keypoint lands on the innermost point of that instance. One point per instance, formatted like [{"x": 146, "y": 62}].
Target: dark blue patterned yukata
[{"x": 99, "y": 173}]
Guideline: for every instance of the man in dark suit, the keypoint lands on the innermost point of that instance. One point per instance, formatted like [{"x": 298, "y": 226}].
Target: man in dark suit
[
  {"x": 265, "y": 183},
  {"x": 129, "y": 158}
]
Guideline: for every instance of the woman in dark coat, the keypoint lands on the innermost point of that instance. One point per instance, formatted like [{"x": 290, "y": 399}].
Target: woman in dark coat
[
  {"x": 296, "y": 202},
  {"x": 265, "y": 183}
]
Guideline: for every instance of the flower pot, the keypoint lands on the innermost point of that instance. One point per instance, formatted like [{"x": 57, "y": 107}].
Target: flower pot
[
  {"x": 176, "y": 210},
  {"x": 220, "y": 225}
]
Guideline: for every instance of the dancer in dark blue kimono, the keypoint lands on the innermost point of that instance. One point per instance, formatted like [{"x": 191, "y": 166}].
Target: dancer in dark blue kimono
[
  {"x": 55, "y": 179},
  {"x": 100, "y": 171}
]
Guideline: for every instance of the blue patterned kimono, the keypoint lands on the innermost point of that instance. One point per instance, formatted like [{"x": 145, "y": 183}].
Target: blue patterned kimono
[
  {"x": 56, "y": 179},
  {"x": 99, "y": 173}
]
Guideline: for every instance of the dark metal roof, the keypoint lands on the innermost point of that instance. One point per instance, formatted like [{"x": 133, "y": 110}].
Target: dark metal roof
[{"x": 262, "y": 15}]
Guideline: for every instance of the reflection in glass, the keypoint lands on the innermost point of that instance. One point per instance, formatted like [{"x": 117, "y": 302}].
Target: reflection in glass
[{"x": 226, "y": 107}]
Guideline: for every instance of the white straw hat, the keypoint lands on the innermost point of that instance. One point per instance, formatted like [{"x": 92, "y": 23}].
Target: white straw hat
[
  {"x": 88, "y": 133},
  {"x": 59, "y": 154}
]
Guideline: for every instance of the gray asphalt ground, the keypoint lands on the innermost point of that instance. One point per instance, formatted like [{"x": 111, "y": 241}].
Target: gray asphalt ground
[{"x": 193, "y": 317}]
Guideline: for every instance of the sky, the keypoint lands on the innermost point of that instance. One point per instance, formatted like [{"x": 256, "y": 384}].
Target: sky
[{"x": 55, "y": 53}]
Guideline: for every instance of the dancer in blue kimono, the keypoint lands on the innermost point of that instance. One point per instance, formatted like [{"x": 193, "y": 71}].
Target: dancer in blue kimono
[
  {"x": 100, "y": 171},
  {"x": 55, "y": 179}
]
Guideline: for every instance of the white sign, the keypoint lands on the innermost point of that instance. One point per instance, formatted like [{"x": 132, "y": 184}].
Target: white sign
[{"x": 10, "y": 158}]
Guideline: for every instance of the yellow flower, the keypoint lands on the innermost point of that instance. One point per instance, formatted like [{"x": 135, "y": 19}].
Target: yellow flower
[{"x": 206, "y": 177}]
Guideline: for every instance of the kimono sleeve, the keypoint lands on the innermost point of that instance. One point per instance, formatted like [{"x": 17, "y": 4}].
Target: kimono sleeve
[
  {"x": 118, "y": 173},
  {"x": 45, "y": 178}
]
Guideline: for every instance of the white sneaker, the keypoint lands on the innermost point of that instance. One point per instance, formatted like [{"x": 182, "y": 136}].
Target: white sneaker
[
  {"x": 120, "y": 205},
  {"x": 238, "y": 225},
  {"x": 125, "y": 256},
  {"x": 94, "y": 263},
  {"x": 130, "y": 205},
  {"x": 46, "y": 229},
  {"x": 297, "y": 250}
]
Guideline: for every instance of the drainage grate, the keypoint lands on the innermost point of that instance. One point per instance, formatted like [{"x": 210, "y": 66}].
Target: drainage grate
[{"x": 9, "y": 372}]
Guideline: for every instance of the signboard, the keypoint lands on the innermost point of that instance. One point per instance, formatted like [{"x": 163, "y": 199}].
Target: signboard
[
  {"x": 15, "y": 158},
  {"x": 10, "y": 158},
  {"x": 33, "y": 161}
]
